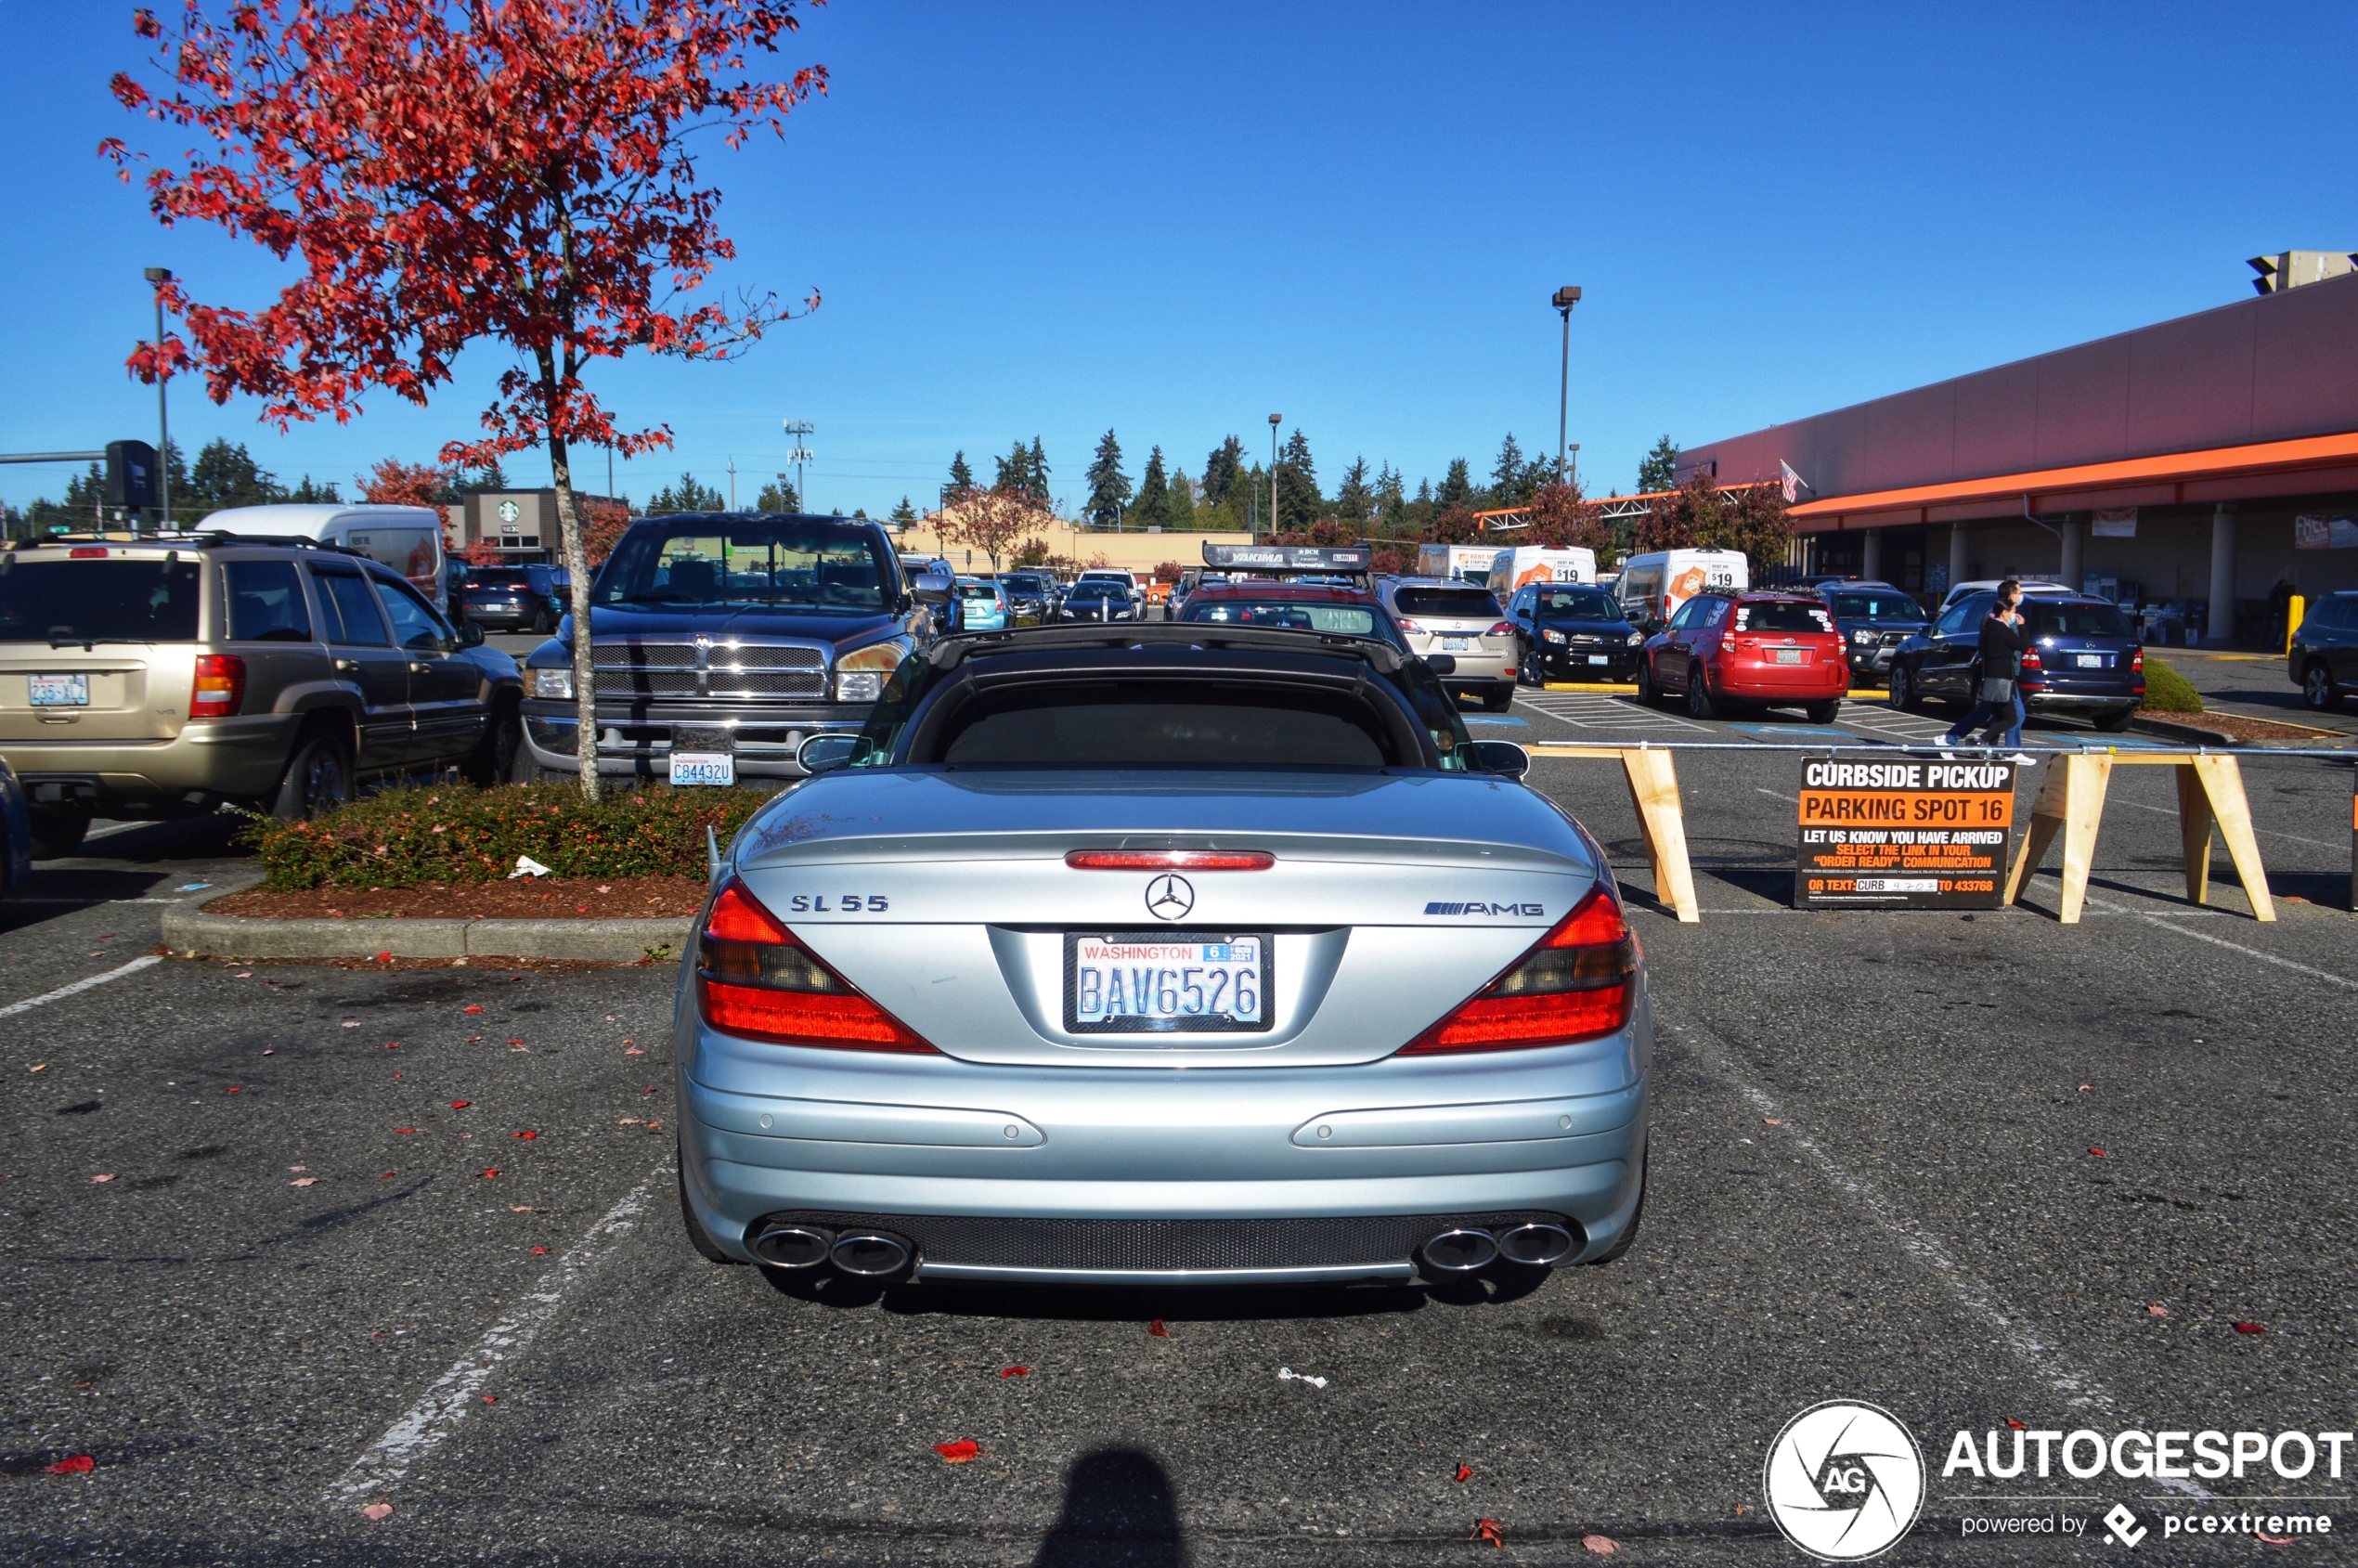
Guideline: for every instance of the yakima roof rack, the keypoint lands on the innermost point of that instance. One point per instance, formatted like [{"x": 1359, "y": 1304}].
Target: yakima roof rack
[{"x": 951, "y": 652}]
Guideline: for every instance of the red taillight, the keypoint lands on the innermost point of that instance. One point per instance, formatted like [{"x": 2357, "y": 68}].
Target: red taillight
[
  {"x": 220, "y": 688},
  {"x": 2137, "y": 661},
  {"x": 2030, "y": 660},
  {"x": 1577, "y": 984},
  {"x": 1170, "y": 860},
  {"x": 756, "y": 980},
  {"x": 85, "y": 552},
  {"x": 1503, "y": 628},
  {"x": 1408, "y": 625}
]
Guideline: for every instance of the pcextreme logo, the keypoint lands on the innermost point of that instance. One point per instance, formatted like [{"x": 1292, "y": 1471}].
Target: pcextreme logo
[{"x": 1843, "y": 1480}]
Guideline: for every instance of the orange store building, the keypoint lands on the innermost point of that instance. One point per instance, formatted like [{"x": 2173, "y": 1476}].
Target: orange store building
[{"x": 2203, "y": 460}]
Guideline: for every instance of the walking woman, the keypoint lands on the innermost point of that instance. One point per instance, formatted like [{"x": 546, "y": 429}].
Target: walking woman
[{"x": 2004, "y": 638}]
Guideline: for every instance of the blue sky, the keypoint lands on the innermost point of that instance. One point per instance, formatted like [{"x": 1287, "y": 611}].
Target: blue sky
[{"x": 1042, "y": 219}]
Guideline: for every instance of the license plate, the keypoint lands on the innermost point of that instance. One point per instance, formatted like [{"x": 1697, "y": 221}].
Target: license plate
[
  {"x": 1599, "y": 658},
  {"x": 1456, "y": 644},
  {"x": 2087, "y": 661},
  {"x": 1156, "y": 982},
  {"x": 703, "y": 768},
  {"x": 58, "y": 691},
  {"x": 1790, "y": 656}
]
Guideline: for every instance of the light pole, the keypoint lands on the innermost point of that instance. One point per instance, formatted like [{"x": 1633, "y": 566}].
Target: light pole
[
  {"x": 1273, "y": 470},
  {"x": 157, "y": 278},
  {"x": 799, "y": 429},
  {"x": 1567, "y": 297}
]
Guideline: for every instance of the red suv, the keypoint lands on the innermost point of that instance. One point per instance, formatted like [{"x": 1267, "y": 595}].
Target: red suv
[{"x": 1778, "y": 649}]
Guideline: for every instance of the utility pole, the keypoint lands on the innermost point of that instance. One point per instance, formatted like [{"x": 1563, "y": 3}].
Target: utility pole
[
  {"x": 800, "y": 430},
  {"x": 157, "y": 278},
  {"x": 1273, "y": 470},
  {"x": 1567, "y": 297},
  {"x": 732, "y": 483}
]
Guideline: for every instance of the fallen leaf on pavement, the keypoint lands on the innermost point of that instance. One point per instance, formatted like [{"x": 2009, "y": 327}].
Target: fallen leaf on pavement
[
  {"x": 472, "y": 1007},
  {"x": 522, "y": 1209},
  {"x": 298, "y": 1170},
  {"x": 2243, "y": 1327},
  {"x": 376, "y": 1511},
  {"x": 305, "y": 1181},
  {"x": 108, "y": 1177},
  {"x": 1465, "y": 1473},
  {"x": 2097, "y": 1152},
  {"x": 487, "y": 1175},
  {"x": 269, "y": 1052},
  {"x": 1014, "y": 1371},
  {"x": 633, "y": 1051},
  {"x": 650, "y": 1088},
  {"x": 538, "y": 1251},
  {"x": 491, "y": 1399},
  {"x": 606, "y": 889},
  {"x": 515, "y": 1041},
  {"x": 2263, "y": 1535},
  {"x": 958, "y": 1453},
  {"x": 352, "y": 1023},
  {"x": 1603, "y": 1546},
  {"x": 405, "y": 1129},
  {"x": 629, "y": 1121},
  {"x": 38, "y": 1067},
  {"x": 2157, "y": 1312},
  {"x": 2087, "y": 1088},
  {"x": 385, "y": 958},
  {"x": 1158, "y": 1330},
  {"x": 1487, "y": 1530},
  {"x": 386, "y": 1175},
  {"x": 1765, "y": 1122},
  {"x": 2017, "y": 1425},
  {"x": 235, "y": 1089},
  {"x": 527, "y": 1133},
  {"x": 77, "y": 1464},
  {"x": 461, "y": 1105}
]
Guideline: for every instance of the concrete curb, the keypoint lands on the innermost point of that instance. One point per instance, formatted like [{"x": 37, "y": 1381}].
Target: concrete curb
[{"x": 190, "y": 930}]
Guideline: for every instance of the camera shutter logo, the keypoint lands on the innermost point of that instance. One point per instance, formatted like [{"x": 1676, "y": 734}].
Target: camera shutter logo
[{"x": 1843, "y": 1480}]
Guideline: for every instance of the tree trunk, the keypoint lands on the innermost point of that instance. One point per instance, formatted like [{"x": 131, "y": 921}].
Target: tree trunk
[{"x": 585, "y": 679}]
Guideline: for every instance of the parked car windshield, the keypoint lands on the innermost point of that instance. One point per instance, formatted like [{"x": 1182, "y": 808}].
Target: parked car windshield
[
  {"x": 2046, "y": 618},
  {"x": 1876, "y": 607},
  {"x": 1462, "y": 604},
  {"x": 710, "y": 562},
  {"x": 1576, "y": 605},
  {"x": 115, "y": 601}
]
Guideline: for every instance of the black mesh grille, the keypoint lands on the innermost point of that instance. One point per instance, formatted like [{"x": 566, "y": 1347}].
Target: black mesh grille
[{"x": 1163, "y": 1244}]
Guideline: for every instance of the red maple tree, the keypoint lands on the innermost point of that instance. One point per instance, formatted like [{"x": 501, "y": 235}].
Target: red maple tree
[
  {"x": 394, "y": 483},
  {"x": 454, "y": 173}
]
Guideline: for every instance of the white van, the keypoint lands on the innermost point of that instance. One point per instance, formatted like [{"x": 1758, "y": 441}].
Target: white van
[
  {"x": 1532, "y": 563},
  {"x": 1458, "y": 562},
  {"x": 407, "y": 538},
  {"x": 1654, "y": 585}
]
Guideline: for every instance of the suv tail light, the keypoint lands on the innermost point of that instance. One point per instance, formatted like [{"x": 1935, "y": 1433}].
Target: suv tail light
[
  {"x": 754, "y": 980},
  {"x": 1503, "y": 628},
  {"x": 2137, "y": 661},
  {"x": 1408, "y": 625},
  {"x": 220, "y": 686},
  {"x": 1577, "y": 984}
]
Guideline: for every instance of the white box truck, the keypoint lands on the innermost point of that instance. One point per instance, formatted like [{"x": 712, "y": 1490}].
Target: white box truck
[
  {"x": 1532, "y": 563},
  {"x": 1458, "y": 562}
]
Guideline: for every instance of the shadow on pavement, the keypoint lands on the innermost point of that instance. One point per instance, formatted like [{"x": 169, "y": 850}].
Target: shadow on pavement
[
  {"x": 1098, "y": 1303},
  {"x": 1117, "y": 1509}
]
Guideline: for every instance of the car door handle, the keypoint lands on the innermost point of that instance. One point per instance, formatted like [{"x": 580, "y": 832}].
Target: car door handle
[
  {"x": 418, "y": 666},
  {"x": 348, "y": 667}
]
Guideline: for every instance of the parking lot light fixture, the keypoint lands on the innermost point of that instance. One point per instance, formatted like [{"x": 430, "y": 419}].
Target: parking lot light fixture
[
  {"x": 1565, "y": 298},
  {"x": 1274, "y": 421}
]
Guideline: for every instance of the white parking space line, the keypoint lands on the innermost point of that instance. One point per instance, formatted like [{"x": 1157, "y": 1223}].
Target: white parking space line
[
  {"x": 2263, "y": 832},
  {"x": 1596, "y": 710},
  {"x": 2341, "y": 980},
  {"x": 429, "y": 1423},
  {"x": 149, "y": 962}
]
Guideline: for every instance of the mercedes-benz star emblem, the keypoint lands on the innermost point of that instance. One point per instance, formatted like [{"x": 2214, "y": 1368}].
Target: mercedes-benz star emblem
[{"x": 1169, "y": 898}]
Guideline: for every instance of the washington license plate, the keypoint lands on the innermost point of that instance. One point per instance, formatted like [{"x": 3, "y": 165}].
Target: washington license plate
[
  {"x": 58, "y": 691},
  {"x": 1125, "y": 982},
  {"x": 1456, "y": 644},
  {"x": 1790, "y": 655},
  {"x": 1599, "y": 658},
  {"x": 703, "y": 768},
  {"x": 2087, "y": 661}
]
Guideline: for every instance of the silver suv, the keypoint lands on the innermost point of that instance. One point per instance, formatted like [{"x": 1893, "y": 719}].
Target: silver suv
[
  {"x": 1463, "y": 622},
  {"x": 162, "y": 677}
]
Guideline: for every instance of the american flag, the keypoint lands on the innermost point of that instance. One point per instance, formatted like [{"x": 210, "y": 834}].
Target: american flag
[{"x": 1795, "y": 483}]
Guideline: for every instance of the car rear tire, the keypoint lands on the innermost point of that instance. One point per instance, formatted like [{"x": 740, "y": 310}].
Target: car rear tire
[
  {"x": 1498, "y": 698},
  {"x": 496, "y": 756},
  {"x": 1904, "y": 696},
  {"x": 2114, "y": 722},
  {"x": 319, "y": 778},
  {"x": 1698, "y": 703},
  {"x": 1648, "y": 695},
  {"x": 1822, "y": 713},
  {"x": 58, "y": 833},
  {"x": 2317, "y": 689}
]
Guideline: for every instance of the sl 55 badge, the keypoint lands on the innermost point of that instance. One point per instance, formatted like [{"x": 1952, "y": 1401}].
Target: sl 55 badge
[{"x": 846, "y": 903}]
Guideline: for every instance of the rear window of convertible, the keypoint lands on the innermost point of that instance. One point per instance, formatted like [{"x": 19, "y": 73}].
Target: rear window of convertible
[{"x": 1163, "y": 724}]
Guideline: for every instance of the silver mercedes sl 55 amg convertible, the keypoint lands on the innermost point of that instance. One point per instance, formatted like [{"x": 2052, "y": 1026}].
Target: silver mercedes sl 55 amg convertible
[{"x": 1163, "y": 953}]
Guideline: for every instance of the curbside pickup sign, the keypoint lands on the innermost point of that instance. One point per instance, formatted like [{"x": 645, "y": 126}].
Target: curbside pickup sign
[{"x": 1903, "y": 834}]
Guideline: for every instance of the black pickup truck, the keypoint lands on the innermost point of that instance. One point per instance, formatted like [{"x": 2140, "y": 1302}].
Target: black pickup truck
[{"x": 722, "y": 642}]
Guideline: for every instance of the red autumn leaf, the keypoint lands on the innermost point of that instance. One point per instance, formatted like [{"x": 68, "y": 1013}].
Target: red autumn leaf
[
  {"x": 405, "y": 1129},
  {"x": 491, "y": 1399},
  {"x": 1158, "y": 1330},
  {"x": 487, "y": 1175},
  {"x": 527, "y": 1133},
  {"x": 1015, "y": 1372},
  {"x": 515, "y": 1041},
  {"x": 461, "y": 1105},
  {"x": 1603, "y": 1546},
  {"x": 1465, "y": 1473},
  {"x": 2097, "y": 1152},
  {"x": 472, "y": 1007},
  {"x": 377, "y": 1512},
  {"x": 958, "y": 1453},
  {"x": 474, "y": 1040},
  {"x": 387, "y": 1175},
  {"x": 540, "y": 1251},
  {"x": 393, "y": 1045},
  {"x": 385, "y": 958},
  {"x": 1488, "y": 1530},
  {"x": 2243, "y": 1327},
  {"x": 2156, "y": 1310},
  {"x": 78, "y": 1464},
  {"x": 234, "y": 1089},
  {"x": 2014, "y": 1424}
]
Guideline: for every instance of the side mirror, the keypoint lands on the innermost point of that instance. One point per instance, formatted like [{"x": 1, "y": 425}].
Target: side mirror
[
  {"x": 470, "y": 634},
  {"x": 934, "y": 588},
  {"x": 825, "y": 754},
  {"x": 1441, "y": 664},
  {"x": 1502, "y": 757}
]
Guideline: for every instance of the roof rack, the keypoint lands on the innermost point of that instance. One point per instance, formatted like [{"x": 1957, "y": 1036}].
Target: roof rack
[
  {"x": 189, "y": 538},
  {"x": 951, "y": 652}
]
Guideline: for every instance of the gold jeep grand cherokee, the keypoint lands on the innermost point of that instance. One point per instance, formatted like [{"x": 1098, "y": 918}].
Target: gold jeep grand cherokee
[{"x": 164, "y": 676}]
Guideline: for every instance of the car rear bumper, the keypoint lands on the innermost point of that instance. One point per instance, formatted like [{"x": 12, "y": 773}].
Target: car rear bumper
[
  {"x": 1768, "y": 683},
  {"x": 2043, "y": 700},
  {"x": 208, "y": 762},
  {"x": 1137, "y": 1176}
]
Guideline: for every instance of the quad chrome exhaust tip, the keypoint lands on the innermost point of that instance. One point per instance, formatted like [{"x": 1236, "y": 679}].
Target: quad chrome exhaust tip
[
  {"x": 871, "y": 1253},
  {"x": 793, "y": 1246},
  {"x": 1539, "y": 1244},
  {"x": 1459, "y": 1250}
]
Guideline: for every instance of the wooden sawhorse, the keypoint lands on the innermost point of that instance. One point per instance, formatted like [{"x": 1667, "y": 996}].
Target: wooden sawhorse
[
  {"x": 1654, "y": 793},
  {"x": 2071, "y": 802}
]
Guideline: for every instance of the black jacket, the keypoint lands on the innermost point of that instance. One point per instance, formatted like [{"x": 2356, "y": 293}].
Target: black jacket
[{"x": 2002, "y": 645}]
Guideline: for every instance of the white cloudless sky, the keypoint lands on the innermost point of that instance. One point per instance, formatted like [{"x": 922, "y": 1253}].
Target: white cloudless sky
[{"x": 1174, "y": 220}]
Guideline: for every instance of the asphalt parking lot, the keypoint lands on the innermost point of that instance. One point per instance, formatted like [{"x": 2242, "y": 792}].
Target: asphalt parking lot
[{"x": 300, "y": 1287}]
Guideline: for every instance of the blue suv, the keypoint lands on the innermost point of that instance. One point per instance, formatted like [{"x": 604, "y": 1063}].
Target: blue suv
[{"x": 2085, "y": 659}]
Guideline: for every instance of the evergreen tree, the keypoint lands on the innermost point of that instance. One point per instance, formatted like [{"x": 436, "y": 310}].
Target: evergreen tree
[
  {"x": 1014, "y": 472},
  {"x": 491, "y": 476},
  {"x": 904, "y": 514},
  {"x": 1355, "y": 503},
  {"x": 1108, "y": 487},
  {"x": 1183, "y": 502},
  {"x": 1659, "y": 472},
  {"x": 307, "y": 491},
  {"x": 1036, "y": 473},
  {"x": 1153, "y": 509},
  {"x": 688, "y": 495},
  {"x": 962, "y": 478},
  {"x": 1220, "y": 471},
  {"x": 1299, "y": 503},
  {"x": 1506, "y": 475},
  {"x": 1457, "y": 490},
  {"x": 227, "y": 475},
  {"x": 1539, "y": 472},
  {"x": 1391, "y": 494},
  {"x": 778, "y": 495}
]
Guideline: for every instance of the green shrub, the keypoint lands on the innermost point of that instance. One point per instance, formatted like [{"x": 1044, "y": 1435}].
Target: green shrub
[
  {"x": 2167, "y": 690},
  {"x": 403, "y": 838}
]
